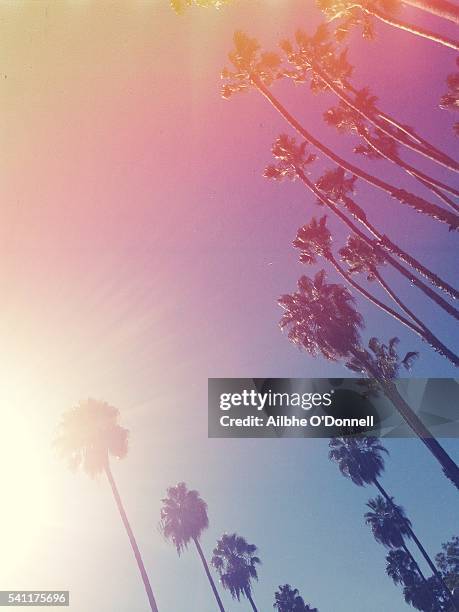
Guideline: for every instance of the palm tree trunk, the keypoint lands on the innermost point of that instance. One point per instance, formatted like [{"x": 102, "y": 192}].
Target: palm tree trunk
[
  {"x": 424, "y": 331},
  {"x": 413, "y": 561},
  {"x": 132, "y": 539},
  {"x": 450, "y": 468},
  {"x": 403, "y": 196},
  {"x": 385, "y": 242},
  {"x": 421, "y": 548},
  {"x": 431, "y": 183},
  {"x": 252, "y": 603},
  {"x": 347, "y": 277},
  {"x": 208, "y": 574},
  {"x": 408, "y": 27},
  {"x": 341, "y": 94},
  {"x": 439, "y": 8}
]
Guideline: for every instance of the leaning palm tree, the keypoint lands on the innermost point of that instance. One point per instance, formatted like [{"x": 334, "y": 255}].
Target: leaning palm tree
[
  {"x": 236, "y": 562},
  {"x": 88, "y": 436},
  {"x": 288, "y": 599},
  {"x": 183, "y": 519}
]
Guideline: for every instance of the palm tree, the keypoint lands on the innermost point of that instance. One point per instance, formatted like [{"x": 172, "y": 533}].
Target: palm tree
[
  {"x": 88, "y": 436},
  {"x": 288, "y": 599},
  {"x": 253, "y": 69},
  {"x": 315, "y": 240},
  {"x": 315, "y": 57},
  {"x": 332, "y": 188},
  {"x": 236, "y": 562},
  {"x": 347, "y": 9},
  {"x": 183, "y": 519},
  {"x": 362, "y": 461}
]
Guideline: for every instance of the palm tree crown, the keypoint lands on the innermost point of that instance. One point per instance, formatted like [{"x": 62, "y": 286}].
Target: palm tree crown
[
  {"x": 89, "y": 434},
  {"x": 288, "y": 599},
  {"x": 236, "y": 562},
  {"x": 388, "y": 522},
  {"x": 183, "y": 516},
  {"x": 360, "y": 459},
  {"x": 321, "y": 318}
]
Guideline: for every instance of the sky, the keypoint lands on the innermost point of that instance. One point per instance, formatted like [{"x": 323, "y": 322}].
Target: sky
[{"x": 143, "y": 252}]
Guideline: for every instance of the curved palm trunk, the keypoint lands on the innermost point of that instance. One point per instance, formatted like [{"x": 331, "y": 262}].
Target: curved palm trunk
[
  {"x": 404, "y": 129},
  {"x": 208, "y": 574},
  {"x": 385, "y": 242},
  {"x": 408, "y": 27},
  {"x": 340, "y": 93},
  {"x": 439, "y": 8},
  {"x": 132, "y": 540},
  {"x": 421, "y": 548},
  {"x": 450, "y": 468},
  {"x": 424, "y": 331},
  {"x": 252, "y": 603},
  {"x": 403, "y": 196},
  {"x": 431, "y": 183}
]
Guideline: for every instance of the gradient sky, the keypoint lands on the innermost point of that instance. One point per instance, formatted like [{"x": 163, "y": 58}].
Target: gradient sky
[{"x": 141, "y": 253}]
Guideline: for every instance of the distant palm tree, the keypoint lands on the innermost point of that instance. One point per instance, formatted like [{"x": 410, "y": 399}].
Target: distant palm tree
[
  {"x": 288, "y": 599},
  {"x": 236, "y": 562},
  {"x": 88, "y": 436},
  {"x": 384, "y": 11},
  {"x": 183, "y": 519}
]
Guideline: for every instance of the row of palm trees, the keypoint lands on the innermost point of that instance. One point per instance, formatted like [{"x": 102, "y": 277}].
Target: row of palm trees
[
  {"x": 362, "y": 461},
  {"x": 90, "y": 434}
]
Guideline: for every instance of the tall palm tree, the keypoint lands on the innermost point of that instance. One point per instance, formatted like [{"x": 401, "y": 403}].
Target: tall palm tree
[
  {"x": 314, "y": 240},
  {"x": 288, "y": 599},
  {"x": 253, "y": 69},
  {"x": 183, "y": 519},
  {"x": 333, "y": 188},
  {"x": 88, "y": 436},
  {"x": 384, "y": 12},
  {"x": 362, "y": 461},
  {"x": 236, "y": 562}
]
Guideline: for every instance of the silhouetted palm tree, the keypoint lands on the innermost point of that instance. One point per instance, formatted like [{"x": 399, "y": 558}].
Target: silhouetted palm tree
[
  {"x": 253, "y": 69},
  {"x": 88, "y": 436},
  {"x": 288, "y": 599},
  {"x": 183, "y": 519},
  {"x": 236, "y": 562},
  {"x": 347, "y": 9},
  {"x": 314, "y": 240}
]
